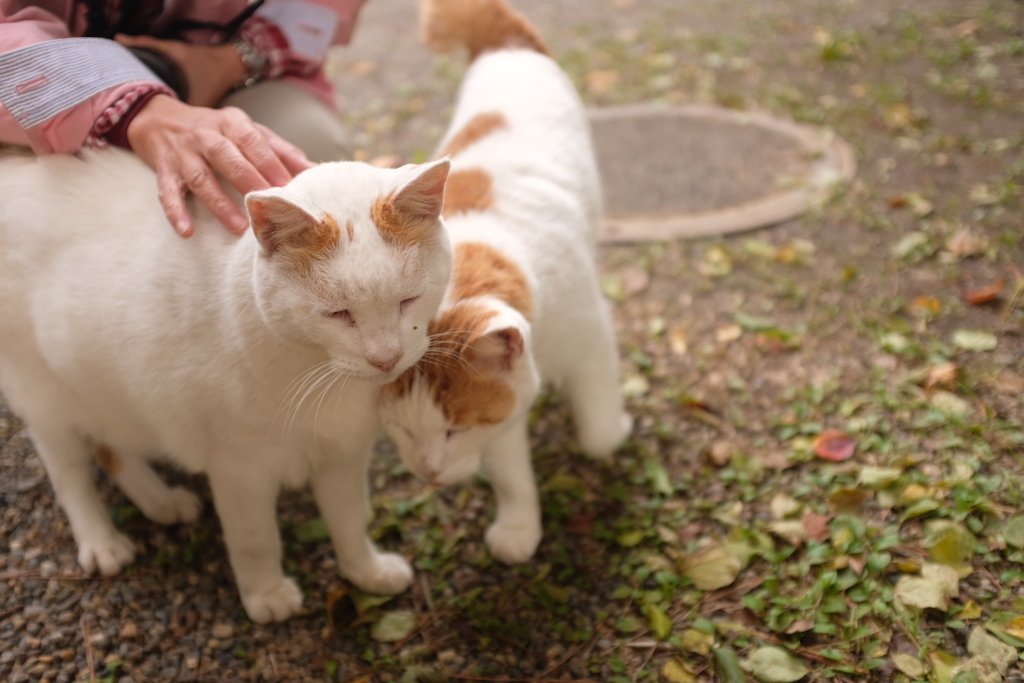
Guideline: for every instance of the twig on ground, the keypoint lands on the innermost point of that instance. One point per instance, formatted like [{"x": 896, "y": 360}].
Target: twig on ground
[
  {"x": 89, "y": 657},
  {"x": 562, "y": 662},
  {"x": 426, "y": 592},
  {"x": 650, "y": 654}
]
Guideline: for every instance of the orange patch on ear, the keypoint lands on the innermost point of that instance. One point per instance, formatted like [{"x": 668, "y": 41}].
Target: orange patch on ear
[
  {"x": 477, "y": 128},
  {"x": 396, "y": 229},
  {"x": 303, "y": 250},
  {"x": 468, "y": 190},
  {"x": 466, "y": 396},
  {"x": 108, "y": 460},
  {"x": 481, "y": 270}
]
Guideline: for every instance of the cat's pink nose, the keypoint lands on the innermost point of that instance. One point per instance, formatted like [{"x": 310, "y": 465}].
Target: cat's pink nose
[{"x": 386, "y": 364}]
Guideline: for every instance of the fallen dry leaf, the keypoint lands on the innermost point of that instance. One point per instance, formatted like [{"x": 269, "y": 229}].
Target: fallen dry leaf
[
  {"x": 601, "y": 81},
  {"x": 944, "y": 375},
  {"x": 816, "y": 526},
  {"x": 849, "y": 501},
  {"x": 1009, "y": 382},
  {"x": 964, "y": 243},
  {"x": 983, "y": 295},
  {"x": 677, "y": 341},
  {"x": 634, "y": 280},
  {"x": 834, "y": 445},
  {"x": 927, "y": 305}
]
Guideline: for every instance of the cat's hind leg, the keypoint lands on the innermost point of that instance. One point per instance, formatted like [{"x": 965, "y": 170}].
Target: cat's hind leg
[
  {"x": 67, "y": 457},
  {"x": 516, "y": 531},
  {"x": 159, "y": 502},
  {"x": 595, "y": 394}
]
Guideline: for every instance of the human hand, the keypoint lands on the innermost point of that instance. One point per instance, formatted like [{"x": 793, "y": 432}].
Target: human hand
[
  {"x": 187, "y": 146},
  {"x": 210, "y": 71}
]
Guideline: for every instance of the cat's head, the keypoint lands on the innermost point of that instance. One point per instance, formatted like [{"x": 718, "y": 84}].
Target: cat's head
[
  {"x": 353, "y": 260},
  {"x": 477, "y": 378}
]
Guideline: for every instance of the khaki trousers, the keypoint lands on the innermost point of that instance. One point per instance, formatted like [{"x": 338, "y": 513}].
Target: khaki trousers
[{"x": 299, "y": 117}]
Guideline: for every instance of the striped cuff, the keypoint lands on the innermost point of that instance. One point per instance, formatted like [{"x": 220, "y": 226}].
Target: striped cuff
[{"x": 39, "y": 81}]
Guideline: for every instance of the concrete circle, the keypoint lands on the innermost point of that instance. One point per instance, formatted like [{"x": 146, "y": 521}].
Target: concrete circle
[{"x": 700, "y": 170}]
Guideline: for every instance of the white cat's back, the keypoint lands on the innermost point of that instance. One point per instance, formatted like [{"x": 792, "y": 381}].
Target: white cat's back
[{"x": 546, "y": 190}]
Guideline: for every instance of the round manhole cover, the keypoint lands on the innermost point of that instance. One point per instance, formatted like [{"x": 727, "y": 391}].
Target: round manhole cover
[{"x": 703, "y": 170}]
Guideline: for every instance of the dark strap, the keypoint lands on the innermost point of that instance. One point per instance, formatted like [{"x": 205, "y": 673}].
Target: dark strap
[{"x": 136, "y": 18}]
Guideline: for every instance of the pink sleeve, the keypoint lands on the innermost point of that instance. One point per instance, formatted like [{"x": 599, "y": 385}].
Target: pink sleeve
[
  {"x": 53, "y": 88},
  {"x": 296, "y": 34}
]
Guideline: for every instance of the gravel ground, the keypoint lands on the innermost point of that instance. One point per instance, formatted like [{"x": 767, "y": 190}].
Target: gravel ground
[{"x": 736, "y": 352}]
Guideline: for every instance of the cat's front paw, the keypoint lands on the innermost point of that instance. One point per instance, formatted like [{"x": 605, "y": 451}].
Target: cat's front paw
[
  {"x": 276, "y": 603},
  {"x": 108, "y": 553},
  {"x": 390, "y": 573},
  {"x": 180, "y": 506},
  {"x": 602, "y": 439},
  {"x": 513, "y": 543}
]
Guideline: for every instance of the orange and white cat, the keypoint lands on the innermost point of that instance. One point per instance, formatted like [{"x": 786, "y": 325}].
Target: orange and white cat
[
  {"x": 257, "y": 360},
  {"x": 523, "y": 306}
]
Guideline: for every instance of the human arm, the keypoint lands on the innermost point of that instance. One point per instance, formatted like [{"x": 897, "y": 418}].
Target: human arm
[{"x": 53, "y": 88}]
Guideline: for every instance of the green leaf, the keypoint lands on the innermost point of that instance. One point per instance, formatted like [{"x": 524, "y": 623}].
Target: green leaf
[
  {"x": 950, "y": 544},
  {"x": 1013, "y": 532},
  {"x": 658, "y": 477},
  {"x": 712, "y": 568},
  {"x": 774, "y": 665},
  {"x": 630, "y": 538},
  {"x": 675, "y": 671},
  {"x": 974, "y": 340},
  {"x": 752, "y": 323},
  {"x": 627, "y": 625},
  {"x": 728, "y": 665},
  {"x": 922, "y": 506},
  {"x": 878, "y": 477},
  {"x": 697, "y": 642},
  {"x": 911, "y": 665},
  {"x": 312, "y": 531},
  {"x": 661, "y": 625},
  {"x": 393, "y": 626}
]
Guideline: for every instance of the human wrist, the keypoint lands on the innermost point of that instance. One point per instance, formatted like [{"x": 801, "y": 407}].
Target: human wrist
[
  {"x": 253, "y": 60},
  {"x": 159, "y": 107}
]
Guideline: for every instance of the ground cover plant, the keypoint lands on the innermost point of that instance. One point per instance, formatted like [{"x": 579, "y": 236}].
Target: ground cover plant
[{"x": 825, "y": 480}]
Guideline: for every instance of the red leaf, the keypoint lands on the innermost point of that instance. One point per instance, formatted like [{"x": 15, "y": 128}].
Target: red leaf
[
  {"x": 977, "y": 297},
  {"x": 816, "y": 526},
  {"x": 834, "y": 445},
  {"x": 580, "y": 523}
]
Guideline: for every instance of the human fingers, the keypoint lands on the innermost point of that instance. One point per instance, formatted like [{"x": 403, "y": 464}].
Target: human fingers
[
  {"x": 251, "y": 144},
  {"x": 203, "y": 183},
  {"x": 293, "y": 158},
  {"x": 171, "y": 191}
]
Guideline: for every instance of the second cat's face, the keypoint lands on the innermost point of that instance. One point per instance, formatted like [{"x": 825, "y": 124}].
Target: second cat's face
[
  {"x": 476, "y": 380},
  {"x": 355, "y": 261}
]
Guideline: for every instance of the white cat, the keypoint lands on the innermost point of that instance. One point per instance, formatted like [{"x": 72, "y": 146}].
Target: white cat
[
  {"x": 522, "y": 208},
  {"x": 257, "y": 360}
]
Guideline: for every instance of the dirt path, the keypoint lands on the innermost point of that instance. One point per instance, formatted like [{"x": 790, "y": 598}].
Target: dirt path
[{"x": 720, "y": 524}]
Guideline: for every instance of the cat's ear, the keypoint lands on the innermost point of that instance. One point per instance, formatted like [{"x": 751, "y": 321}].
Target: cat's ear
[
  {"x": 278, "y": 222},
  {"x": 497, "y": 351},
  {"x": 422, "y": 196}
]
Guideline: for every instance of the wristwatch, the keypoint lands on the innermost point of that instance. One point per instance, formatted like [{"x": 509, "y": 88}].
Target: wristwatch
[{"x": 254, "y": 60}]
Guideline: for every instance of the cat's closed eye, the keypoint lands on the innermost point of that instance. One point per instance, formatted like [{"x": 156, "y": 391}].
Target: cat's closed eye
[
  {"x": 452, "y": 433},
  {"x": 407, "y": 302},
  {"x": 343, "y": 316}
]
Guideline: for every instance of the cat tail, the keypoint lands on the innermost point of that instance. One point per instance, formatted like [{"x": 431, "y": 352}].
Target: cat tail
[{"x": 477, "y": 25}]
